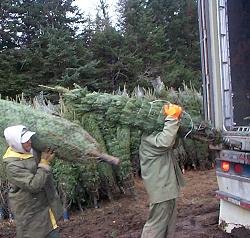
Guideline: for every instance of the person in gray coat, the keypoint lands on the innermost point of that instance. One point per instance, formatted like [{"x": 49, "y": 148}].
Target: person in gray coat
[
  {"x": 161, "y": 175},
  {"x": 33, "y": 198}
]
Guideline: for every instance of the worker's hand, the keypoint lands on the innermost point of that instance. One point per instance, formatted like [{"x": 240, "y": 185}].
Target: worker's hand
[
  {"x": 172, "y": 110},
  {"x": 47, "y": 156}
]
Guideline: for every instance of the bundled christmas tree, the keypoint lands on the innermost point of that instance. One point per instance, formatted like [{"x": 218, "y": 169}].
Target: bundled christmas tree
[
  {"x": 70, "y": 140},
  {"x": 144, "y": 113}
]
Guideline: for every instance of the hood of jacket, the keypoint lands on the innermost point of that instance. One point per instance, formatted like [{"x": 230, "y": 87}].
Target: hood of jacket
[{"x": 13, "y": 135}]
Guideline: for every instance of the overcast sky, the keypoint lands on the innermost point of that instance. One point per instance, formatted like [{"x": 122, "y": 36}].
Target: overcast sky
[{"x": 89, "y": 6}]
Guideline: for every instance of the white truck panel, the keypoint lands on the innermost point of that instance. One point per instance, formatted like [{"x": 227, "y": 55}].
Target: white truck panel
[
  {"x": 234, "y": 186},
  {"x": 233, "y": 216}
]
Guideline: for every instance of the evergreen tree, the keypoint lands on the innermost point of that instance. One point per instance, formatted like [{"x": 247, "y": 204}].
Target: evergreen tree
[
  {"x": 180, "y": 21},
  {"x": 39, "y": 46},
  {"x": 10, "y": 23},
  {"x": 109, "y": 48},
  {"x": 22, "y": 21},
  {"x": 164, "y": 35},
  {"x": 145, "y": 39},
  {"x": 41, "y": 43}
]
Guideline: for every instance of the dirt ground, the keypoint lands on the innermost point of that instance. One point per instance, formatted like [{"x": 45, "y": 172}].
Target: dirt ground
[{"x": 124, "y": 218}]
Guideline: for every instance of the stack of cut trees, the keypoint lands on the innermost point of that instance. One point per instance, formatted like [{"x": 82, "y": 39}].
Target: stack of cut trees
[
  {"x": 107, "y": 126},
  {"x": 117, "y": 121}
]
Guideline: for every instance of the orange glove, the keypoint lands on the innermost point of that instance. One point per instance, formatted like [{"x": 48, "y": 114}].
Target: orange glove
[{"x": 172, "y": 110}]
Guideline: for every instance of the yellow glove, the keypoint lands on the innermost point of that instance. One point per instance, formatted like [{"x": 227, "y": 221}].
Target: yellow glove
[
  {"x": 47, "y": 156},
  {"x": 172, "y": 110}
]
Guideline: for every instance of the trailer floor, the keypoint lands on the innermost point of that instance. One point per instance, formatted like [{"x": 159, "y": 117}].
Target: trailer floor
[{"x": 198, "y": 211}]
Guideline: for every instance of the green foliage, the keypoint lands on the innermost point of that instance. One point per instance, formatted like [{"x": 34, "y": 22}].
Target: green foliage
[
  {"x": 12, "y": 79},
  {"x": 54, "y": 58},
  {"x": 143, "y": 113},
  {"x": 135, "y": 140},
  {"x": 46, "y": 48},
  {"x": 117, "y": 121},
  {"x": 4, "y": 185},
  {"x": 66, "y": 175},
  {"x": 76, "y": 181},
  {"x": 164, "y": 34},
  {"x": 106, "y": 46},
  {"x": 3, "y": 148},
  {"x": 197, "y": 154},
  {"x": 91, "y": 122},
  {"x": 69, "y": 139},
  {"x": 42, "y": 44},
  {"x": 30, "y": 18},
  {"x": 123, "y": 151}
]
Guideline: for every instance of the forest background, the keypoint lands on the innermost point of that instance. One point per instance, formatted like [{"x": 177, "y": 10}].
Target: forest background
[{"x": 53, "y": 43}]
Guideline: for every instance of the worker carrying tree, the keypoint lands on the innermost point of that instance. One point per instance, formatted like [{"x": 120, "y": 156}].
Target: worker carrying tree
[
  {"x": 33, "y": 198},
  {"x": 161, "y": 175}
]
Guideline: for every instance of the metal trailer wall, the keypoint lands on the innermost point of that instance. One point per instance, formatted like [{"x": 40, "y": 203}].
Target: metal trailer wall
[
  {"x": 225, "y": 48},
  {"x": 212, "y": 99}
]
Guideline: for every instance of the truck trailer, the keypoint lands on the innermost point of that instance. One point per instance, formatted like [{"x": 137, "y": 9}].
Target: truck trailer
[{"x": 225, "y": 57}]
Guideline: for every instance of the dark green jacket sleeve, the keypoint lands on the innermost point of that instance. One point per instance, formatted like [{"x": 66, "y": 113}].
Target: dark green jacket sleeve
[{"x": 20, "y": 175}]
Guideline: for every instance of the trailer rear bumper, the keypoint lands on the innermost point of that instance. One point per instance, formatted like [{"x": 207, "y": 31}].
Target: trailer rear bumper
[
  {"x": 234, "y": 200},
  {"x": 232, "y": 215}
]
